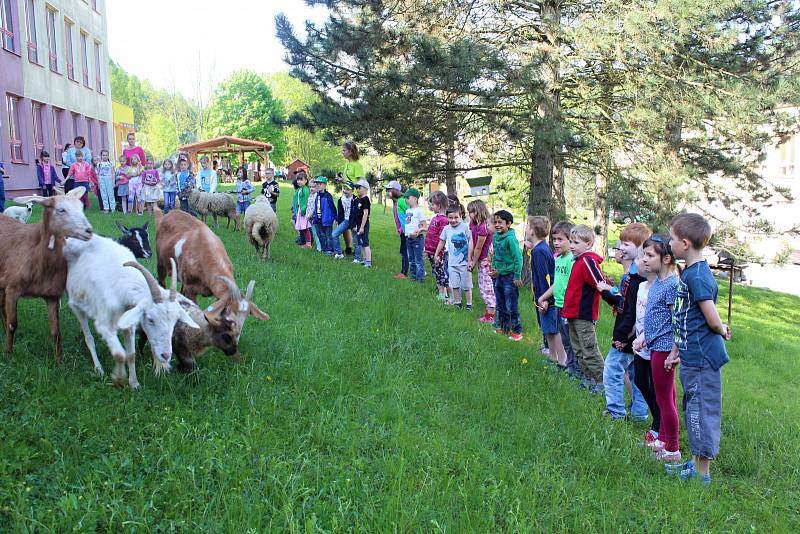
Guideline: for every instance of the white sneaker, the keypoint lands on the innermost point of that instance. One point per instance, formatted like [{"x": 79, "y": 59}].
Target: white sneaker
[
  {"x": 339, "y": 256},
  {"x": 656, "y": 445},
  {"x": 356, "y": 261}
]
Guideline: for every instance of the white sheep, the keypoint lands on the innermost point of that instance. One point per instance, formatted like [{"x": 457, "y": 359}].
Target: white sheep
[
  {"x": 261, "y": 225},
  {"x": 103, "y": 284},
  {"x": 214, "y": 204},
  {"x": 20, "y": 213}
]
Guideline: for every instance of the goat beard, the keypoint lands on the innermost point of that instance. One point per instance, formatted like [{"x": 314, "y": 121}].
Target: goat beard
[{"x": 52, "y": 243}]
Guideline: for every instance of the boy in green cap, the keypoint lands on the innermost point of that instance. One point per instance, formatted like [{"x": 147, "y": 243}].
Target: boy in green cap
[{"x": 324, "y": 215}]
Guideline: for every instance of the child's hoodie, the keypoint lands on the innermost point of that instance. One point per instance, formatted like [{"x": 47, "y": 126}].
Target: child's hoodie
[
  {"x": 582, "y": 299},
  {"x": 507, "y": 255}
]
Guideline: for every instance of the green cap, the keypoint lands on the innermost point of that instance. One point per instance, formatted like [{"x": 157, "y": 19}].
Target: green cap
[
  {"x": 321, "y": 180},
  {"x": 411, "y": 192}
]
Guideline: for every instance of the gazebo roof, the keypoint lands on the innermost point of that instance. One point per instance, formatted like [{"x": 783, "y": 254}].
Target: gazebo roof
[{"x": 227, "y": 142}]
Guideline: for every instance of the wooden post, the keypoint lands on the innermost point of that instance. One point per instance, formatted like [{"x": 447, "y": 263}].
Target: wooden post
[{"x": 730, "y": 292}]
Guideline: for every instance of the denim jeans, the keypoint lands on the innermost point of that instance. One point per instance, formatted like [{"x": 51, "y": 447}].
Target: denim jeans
[
  {"x": 563, "y": 329},
  {"x": 338, "y": 231},
  {"x": 415, "y": 247},
  {"x": 315, "y": 237},
  {"x": 169, "y": 201},
  {"x": 405, "y": 256},
  {"x": 616, "y": 364},
  {"x": 325, "y": 239},
  {"x": 507, "y": 311}
]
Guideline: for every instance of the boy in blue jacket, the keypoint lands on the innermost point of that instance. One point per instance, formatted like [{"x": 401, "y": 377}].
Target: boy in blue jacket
[{"x": 324, "y": 215}]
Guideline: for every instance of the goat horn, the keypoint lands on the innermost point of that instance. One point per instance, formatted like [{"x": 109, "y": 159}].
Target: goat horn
[
  {"x": 173, "y": 288},
  {"x": 236, "y": 294},
  {"x": 248, "y": 294},
  {"x": 155, "y": 290}
]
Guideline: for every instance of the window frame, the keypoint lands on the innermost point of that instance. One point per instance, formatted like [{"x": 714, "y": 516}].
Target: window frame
[
  {"x": 15, "y": 140},
  {"x": 58, "y": 134},
  {"x": 98, "y": 65},
  {"x": 69, "y": 48},
  {"x": 7, "y": 27},
  {"x": 52, "y": 37},
  {"x": 37, "y": 120},
  {"x": 84, "y": 46},
  {"x": 30, "y": 32}
]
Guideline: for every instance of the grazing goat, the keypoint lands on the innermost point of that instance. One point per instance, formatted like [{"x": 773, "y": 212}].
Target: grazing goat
[
  {"x": 103, "y": 284},
  {"x": 37, "y": 267},
  {"x": 203, "y": 269},
  {"x": 261, "y": 225},
  {"x": 215, "y": 204},
  {"x": 19, "y": 213},
  {"x": 135, "y": 239}
]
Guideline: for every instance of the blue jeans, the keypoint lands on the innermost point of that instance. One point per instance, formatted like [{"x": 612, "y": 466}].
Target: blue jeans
[
  {"x": 563, "y": 328},
  {"x": 325, "y": 239},
  {"x": 169, "y": 201},
  {"x": 507, "y": 295},
  {"x": 614, "y": 381},
  {"x": 2, "y": 194},
  {"x": 415, "y": 247},
  {"x": 338, "y": 231},
  {"x": 405, "y": 256},
  {"x": 315, "y": 237}
]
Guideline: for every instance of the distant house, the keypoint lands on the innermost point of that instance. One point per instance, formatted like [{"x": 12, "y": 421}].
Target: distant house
[{"x": 295, "y": 166}]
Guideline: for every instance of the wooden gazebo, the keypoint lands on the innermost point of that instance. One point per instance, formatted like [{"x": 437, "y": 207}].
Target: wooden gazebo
[{"x": 227, "y": 145}]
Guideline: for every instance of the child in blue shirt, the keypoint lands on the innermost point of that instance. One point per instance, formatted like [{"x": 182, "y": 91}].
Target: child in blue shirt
[
  {"x": 243, "y": 190},
  {"x": 700, "y": 340}
]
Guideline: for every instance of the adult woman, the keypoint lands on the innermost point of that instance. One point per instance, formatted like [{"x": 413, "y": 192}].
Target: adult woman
[
  {"x": 352, "y": 173},
  {"x": 132, "y": 149}
]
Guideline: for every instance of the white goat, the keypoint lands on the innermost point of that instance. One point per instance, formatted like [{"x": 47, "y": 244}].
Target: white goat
[
  {"x": 261, "y": 224},
  {"x": 19, "y": 213},
  {"x": 103, "y": 284}
]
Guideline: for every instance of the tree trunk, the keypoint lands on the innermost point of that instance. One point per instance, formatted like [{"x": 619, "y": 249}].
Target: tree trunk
[
  {"x": 601, "y": 213},
  {"x": 450, "y": 169}
]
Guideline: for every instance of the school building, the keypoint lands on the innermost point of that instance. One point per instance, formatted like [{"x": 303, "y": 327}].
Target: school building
[{"x": 53, "y": 83}]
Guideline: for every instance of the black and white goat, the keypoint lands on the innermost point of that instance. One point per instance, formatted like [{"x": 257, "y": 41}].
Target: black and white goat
[
  {"x": 107, "y": 285},
  {"x": 136, "y": 239}
]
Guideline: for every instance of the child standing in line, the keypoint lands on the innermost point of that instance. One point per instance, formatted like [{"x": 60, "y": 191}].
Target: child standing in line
[
  {"x": 457, "y": 238},
  {"x": 207, "y": 176},
  {"x": 150, "y": 190},
  {"x": 582, "y": 306},
  {"x": 121, "y": 180},
  {"x": 700, "y": 337},
  {"x": 186, "y": 182},
  {"x": 105, "y": 177},
  {"x": 243, "y": 190},
  {"x": 65, "y": 165},
  {"x": 324, "y": 215},
  {"x": 299, "y": 206},
  {"x": 310, "y": 207},
  {"x": 542, "y": 278},
  {"x": 135, "y": 171},
  {"x": 170, "y": 181},
  {"x": 363, "y": 208},
  {"x": 561, "y": 271},
  {"x": 81, "y": 172},
  {"x": 46, "y": 173},
  {"x": 506, "y": 272},
  {"x": 415, "y": 226},
  {"x": 343, "y": 209},
  {"x": 623, "y": 302},
  {"x": 482, "y": 244},
  {"x": 658, "y": 338},
  {"x": 438, "y": 203},
  {"x": 643, "y": 374},
  {"x": 399, "y": 210},
  {"x": 272, "y": 190}
]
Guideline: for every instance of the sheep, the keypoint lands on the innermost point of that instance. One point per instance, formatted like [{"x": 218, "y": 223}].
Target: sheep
[
  {"x": 19, "y": 213},
  {"x": 261, "y": 226},
  {"x": 132, "y": 299},
  {"x": 204, "y": 268},
  {"x": 37, "y": 267},
  {"x": 215, "y": 204},
  {"x": 135, "y": 239}
]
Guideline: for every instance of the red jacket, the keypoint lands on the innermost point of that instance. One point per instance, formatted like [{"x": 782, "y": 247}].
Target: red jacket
[{"x": 582, "y": 298}]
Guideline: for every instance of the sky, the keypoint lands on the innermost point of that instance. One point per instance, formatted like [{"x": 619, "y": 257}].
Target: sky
[{"x": 190, "y": 46}]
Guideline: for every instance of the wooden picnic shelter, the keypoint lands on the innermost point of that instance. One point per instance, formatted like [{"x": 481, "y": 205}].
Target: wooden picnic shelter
[{"x": 215, "y": 148}]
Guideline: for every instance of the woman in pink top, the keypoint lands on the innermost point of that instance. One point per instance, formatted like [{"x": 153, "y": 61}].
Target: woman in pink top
[{"x": 133, "y": 149}]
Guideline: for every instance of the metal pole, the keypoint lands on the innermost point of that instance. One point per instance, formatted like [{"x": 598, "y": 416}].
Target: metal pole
[{"x": 730, "y": 293}]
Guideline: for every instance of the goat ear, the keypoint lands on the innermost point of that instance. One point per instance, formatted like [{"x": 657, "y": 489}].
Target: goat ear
[
  {"x": 186, "y": 319},
  {"x": 131, "y": 317},
  {"x": 214, "y": 312},
  {"x": 124, "y": 229},
  {"x": 77, "y": 192},
  {"x": 257, "y": 313},
  {"x": 144, "y": 227},
  {"x": 35, "y": 199}
]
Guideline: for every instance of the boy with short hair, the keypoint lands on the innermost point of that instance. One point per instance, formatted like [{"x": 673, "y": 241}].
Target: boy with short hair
[
  {"x": 415, "y": 226},
  {"x": 361, "y": 209},
  {"x": 506, "y": 271},
  {"x": 324, "y": 215},
  {"x": 700, "y": 340},
  {"x": 623, "y": 302},
  {"x": 343, "y": 208},
  {"x": 399, "y": 208},
  {"x": 582, "y": 305},
  {"x": 272, "y": 190},
  {"x": 457, "y": 238},
  {"x": 542, "y": 278}
]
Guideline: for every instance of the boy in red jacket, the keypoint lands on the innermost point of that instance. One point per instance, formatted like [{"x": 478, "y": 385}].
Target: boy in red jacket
[{"x": 582, "y": 305}]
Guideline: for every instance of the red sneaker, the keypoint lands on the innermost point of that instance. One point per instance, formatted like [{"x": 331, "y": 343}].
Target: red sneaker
[
  {"x": 400, "y": 276},
  {"x": 513, "y": 336},
  {"x": 486, "y": 318}
]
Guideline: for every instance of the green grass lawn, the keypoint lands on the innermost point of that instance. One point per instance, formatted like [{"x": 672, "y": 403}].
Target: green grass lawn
[{"x": 363, "y": 405}]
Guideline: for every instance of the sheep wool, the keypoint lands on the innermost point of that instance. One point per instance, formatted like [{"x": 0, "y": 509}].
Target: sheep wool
[{"x": 261, "y": 226}]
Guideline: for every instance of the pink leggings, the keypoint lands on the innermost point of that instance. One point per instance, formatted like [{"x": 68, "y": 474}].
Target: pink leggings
[{"x": 664, "y": 384}]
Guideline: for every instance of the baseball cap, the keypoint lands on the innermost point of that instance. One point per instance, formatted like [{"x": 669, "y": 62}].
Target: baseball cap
[
  {"x": 394, "y": 184},
  {"x": 412, "y": 192},
  {"x": 321, "y": 180},
  {"x": 362, "y": 183}
]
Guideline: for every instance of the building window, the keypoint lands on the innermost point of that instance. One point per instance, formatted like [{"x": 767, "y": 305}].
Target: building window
[
  {"x": 30, "y": 19},
  {"x": 75, "y": 125},
  {"x": 7, "y": 25},
  {"x": 103, "y": 135},
  {"x": 85, "y": 58},
  {"x": 38, "y": 128},
  {"x": 69, "y": 48},
  {"x": 98, "y": 70},
  {"x": 51, "y": 39},
  {"x": 14, "y": 131},
  {"x": 90, "y": 132},
  {"x": 58, "y": 134}
]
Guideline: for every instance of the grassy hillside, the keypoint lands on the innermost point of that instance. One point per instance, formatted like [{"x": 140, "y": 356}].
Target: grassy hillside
[{"x": 363, "y": 405}]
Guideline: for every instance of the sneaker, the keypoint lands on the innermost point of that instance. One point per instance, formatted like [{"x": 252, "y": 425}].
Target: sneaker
[
  {"x": 400, "y": 276},
  {"x": 486, "y": 318},
  {"x": 368, "y": 264},
  {"x": 469, "y": 307},
  {"x": 457, "y": 305},
  {"x": 649, "y": 437},
  {"x": 513, "y": 336},
  {"x": 544, "y": 350},
  {"x": 613, "y": 417},
  {"x": 691, "y": 472},
  {"x": 668, "y": 456},
  {"x": 656, "y": 445},
  {"x": 339, "y": 256},
  {"x": 676, "y": 469},
  {"x": 356, "y": 261}
]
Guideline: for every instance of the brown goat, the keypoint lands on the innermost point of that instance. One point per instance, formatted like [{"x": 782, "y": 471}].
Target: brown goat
[
  {"x": 33, "y": 264},
  {"x": 204, "y": 268}
]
